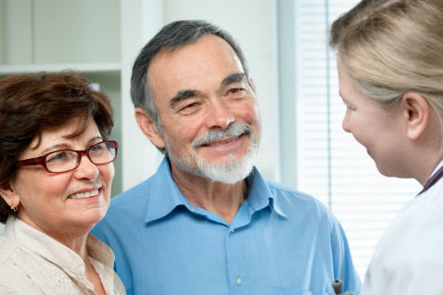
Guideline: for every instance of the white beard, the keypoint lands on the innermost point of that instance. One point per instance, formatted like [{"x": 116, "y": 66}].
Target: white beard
[{"x": 231, "y": 172}]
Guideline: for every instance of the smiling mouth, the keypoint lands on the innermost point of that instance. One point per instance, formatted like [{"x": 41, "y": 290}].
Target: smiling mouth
[
  {"x": 223, "y": 141},
  {"x": 84, "y": 195}
]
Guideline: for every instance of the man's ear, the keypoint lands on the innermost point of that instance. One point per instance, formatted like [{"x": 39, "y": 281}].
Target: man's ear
[
  {"x": 417, "y": 114},
  {"x": 147, "y": 126},
  {"x": 10, "y": 196},
  {"x": 251, "y": 82}
]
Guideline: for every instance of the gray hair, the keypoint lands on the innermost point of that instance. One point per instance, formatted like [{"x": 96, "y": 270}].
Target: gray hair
[{"x": 172, "y": 36}]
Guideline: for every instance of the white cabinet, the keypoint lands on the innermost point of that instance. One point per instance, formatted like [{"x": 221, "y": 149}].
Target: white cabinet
[
  {"x": 98, "y": 38},
  {"x": 61, "y": 31}
]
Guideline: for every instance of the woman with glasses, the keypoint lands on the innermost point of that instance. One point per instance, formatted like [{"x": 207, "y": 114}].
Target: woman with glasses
[{"x": 56, "y": 172}]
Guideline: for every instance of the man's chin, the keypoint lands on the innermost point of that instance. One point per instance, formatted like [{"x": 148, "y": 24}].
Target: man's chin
[
  {"x": 228, "y": 178},
  {"x": 232, "y": 172},
  {"x": 229, "y": 169}
]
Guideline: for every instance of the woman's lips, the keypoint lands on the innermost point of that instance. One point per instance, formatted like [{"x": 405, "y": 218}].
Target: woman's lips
[{"x": 84, "y": 195}]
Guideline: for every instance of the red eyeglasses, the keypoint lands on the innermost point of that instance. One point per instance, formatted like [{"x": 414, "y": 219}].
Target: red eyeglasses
[{"x": 60, "y": 161}]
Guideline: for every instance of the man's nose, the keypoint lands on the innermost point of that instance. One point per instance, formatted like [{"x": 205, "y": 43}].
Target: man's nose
[{"x": 219, "y": 114}]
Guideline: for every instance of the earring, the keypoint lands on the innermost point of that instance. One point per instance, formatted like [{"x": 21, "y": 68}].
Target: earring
[{"x": 14, "y": 209}]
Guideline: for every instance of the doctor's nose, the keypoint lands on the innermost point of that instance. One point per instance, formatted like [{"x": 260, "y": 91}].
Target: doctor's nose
[{"x": 346, "y": 124}]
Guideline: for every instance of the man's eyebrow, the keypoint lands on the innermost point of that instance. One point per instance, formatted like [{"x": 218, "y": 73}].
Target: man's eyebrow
[
  {"x": 188, "y": 93},
  {"x": 237, "y": 77},
  {"x": 182, "y": 95}
]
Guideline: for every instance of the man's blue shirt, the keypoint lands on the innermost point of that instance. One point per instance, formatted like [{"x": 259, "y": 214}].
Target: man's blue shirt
[{"x": 280, "y": 242}]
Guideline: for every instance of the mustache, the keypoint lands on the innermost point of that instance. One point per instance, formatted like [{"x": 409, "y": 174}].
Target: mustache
[{"x": 213, "y": 135}]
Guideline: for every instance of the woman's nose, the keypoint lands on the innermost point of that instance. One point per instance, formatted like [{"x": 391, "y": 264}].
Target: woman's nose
[{"x": 86, "y": 169}]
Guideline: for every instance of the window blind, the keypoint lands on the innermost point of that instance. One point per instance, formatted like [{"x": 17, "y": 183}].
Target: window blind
[{"x": 331, "y": 165}]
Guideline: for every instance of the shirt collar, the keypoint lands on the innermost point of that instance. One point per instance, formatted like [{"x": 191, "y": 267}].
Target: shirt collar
[
  {"x": 260, "y": 195},
  {"x": 165, "y": 195}
]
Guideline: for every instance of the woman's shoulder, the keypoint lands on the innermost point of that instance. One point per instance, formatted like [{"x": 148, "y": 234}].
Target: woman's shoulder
[
  {"x": 7, "y": 248},
  {"x": 13, "y": 276}
]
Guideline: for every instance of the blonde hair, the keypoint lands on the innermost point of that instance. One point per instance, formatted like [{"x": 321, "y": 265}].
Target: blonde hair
[{"x": 391, "y": 47}]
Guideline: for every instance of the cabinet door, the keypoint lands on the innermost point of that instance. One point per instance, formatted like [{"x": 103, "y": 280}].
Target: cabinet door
[
  {"x": 59, "y": 31},
  {"x": 80, "y": 31},
  {"x": 16, "y": 46}
]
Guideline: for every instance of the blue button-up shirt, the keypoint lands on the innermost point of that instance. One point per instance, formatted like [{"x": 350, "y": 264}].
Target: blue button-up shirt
[{"x": 280, "y": 242}]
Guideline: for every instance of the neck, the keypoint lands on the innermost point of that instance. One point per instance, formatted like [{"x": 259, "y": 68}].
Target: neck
[
  {"x": 219, "y": 198},
  {"x": 428, "y": 150},
  {"x": 427, "y": 175},
  {"x": 425, "y": 165},
  {"x": 72, "y": 237}
]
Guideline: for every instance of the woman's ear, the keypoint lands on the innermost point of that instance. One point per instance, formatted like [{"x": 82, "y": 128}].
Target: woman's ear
[
  {"x": 417, "y": 114},
  {"x": 10, "y": 196},
  {"x": 147, "y": 126}
]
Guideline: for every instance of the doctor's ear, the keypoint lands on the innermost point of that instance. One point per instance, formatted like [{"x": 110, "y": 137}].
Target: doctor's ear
[
  {"x": 416, "y": 113},
  {"x": 148, "y": 127}
]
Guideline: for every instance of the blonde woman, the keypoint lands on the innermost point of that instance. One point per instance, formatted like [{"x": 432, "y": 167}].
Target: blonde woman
[{"x": 390, "y": 65}]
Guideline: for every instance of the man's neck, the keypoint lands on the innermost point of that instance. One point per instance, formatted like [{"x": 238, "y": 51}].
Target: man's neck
[{"x": 219, "y": 198}]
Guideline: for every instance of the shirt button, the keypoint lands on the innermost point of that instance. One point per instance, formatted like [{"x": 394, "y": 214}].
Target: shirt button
[
  {"x": 238, "y": 281},
  {"x": 232, "y": 230}
]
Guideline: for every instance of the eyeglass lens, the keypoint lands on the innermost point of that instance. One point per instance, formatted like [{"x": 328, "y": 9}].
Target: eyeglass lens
[{"x": 61, "y": 161}]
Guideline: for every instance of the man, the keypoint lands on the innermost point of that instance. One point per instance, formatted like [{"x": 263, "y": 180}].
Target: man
[{"x": 207, "y": 222}]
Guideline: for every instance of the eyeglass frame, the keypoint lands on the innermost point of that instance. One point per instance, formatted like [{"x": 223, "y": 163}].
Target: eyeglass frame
[{"x": 42, "y": 159}]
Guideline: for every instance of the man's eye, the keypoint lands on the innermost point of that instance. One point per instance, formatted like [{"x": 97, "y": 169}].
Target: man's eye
[
  {"x": 189, "y": 107},
  {"x": 237, "y": 92}
]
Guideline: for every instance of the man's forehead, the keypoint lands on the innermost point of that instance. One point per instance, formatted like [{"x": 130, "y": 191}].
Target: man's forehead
[
  {"x": 206, "y": 42},
  {"x": 206, "y": 58}
]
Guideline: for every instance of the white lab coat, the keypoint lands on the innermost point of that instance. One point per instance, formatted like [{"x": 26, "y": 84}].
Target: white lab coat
[{"x": 409, "y": 257}]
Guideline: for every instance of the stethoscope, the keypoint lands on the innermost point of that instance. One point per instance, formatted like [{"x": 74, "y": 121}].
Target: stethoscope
[
  {"x": 431, "y": 181},
  {"x": 337, "y": 285}
]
